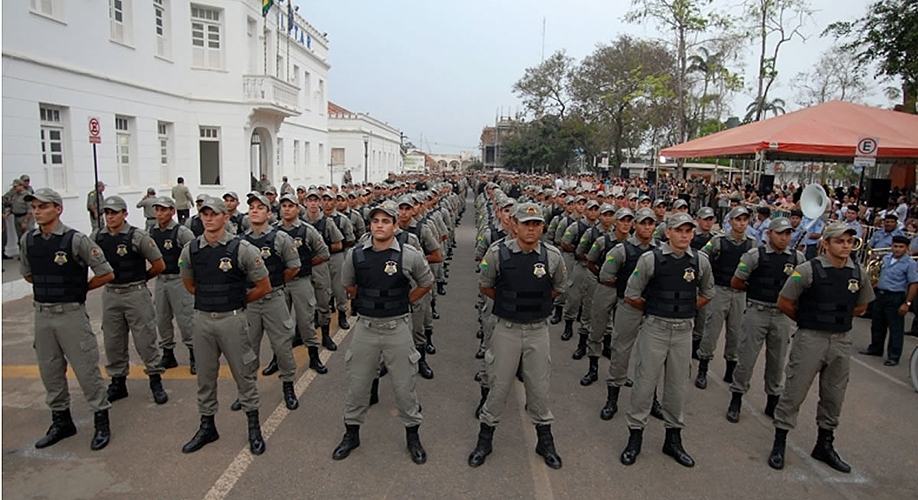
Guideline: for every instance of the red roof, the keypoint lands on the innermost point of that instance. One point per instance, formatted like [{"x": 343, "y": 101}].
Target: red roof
[
  {"x": 334, "y": 109},
  {"x": 830, "y": 130}
]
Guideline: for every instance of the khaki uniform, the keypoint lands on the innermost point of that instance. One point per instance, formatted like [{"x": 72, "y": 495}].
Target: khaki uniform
[
  {"x": 300, "y": 293},
  {"x": 63, "y": 334},
  {"x": 149, "y": 212},
  {"x": 321, "y": 274},
  {"x": 605, "y": 297},
  {"x": 579, "y": 282},
  {"x": 21, "y": 211},
  {"x": 171, "y": 299},
  {"x": 727, "y": 307},
  {"x": 387, "y": 338},
  {"x": 91, "y": 205},
  {"x": 225, "y": 333},
  {"x": 337, "y": 259}
]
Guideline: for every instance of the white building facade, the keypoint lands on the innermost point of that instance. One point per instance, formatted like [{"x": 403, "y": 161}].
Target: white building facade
[
  {"x": 208, "y": 90},
  {"x": 369, "y": 148}
]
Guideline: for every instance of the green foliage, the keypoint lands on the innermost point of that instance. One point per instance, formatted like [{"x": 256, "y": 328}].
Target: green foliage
[
  {"x": 475, "y": 166},
  {"x": 544, "y": 145}
]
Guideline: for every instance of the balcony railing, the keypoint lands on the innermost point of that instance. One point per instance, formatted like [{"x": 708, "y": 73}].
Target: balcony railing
[{"x": 272, "y": 93}]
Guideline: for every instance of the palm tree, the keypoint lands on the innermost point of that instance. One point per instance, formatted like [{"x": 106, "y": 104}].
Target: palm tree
[
  {"x": 775, "y": 106},
  {"x": 709, "y": 65}
]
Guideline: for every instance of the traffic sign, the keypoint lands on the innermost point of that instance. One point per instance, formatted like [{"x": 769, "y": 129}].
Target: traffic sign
[
  {"x": 865, "y": 161},
  {"x": 95, "y": 130},
  {"x": 867, "y": 146}
]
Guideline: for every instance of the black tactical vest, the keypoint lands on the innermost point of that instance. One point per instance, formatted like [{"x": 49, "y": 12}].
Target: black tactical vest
[
  {"x": 129, "y": 265},
  {"x": 320, "y": 227},
  {"x": 766, "y": 281},
  {"x": 632, "y": 254},
  {"x": 828, "y": 304},
  {"x": 524, "y": 286},
  {"x": 700, "y": 240},
  {"x": 673, "y": 290},
  {"x": 167, "y": 241},
  {"x": 197, "y": 225},
  {"x": 725, "y": 264},
  {"x": 219, "y": 283},
  {"x": 497, "y": 235},
  {"x": 274, "y": 262},
  {"x": 57, "y": 278},
  {"x": 301, "y": 241},
  {"x": 235, "y": 221},
  {"x": 581, "y": 227},
  {"x": 382, "y": 287}
]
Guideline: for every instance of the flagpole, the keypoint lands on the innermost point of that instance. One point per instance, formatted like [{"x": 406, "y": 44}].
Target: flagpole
[{"x": 289, "y": 27}]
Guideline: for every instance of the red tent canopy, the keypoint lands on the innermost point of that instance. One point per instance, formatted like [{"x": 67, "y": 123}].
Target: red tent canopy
[{"x": 829, "y": 131}]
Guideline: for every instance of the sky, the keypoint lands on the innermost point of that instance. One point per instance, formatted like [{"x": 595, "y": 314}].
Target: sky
[{"x": 440, "y": 70}]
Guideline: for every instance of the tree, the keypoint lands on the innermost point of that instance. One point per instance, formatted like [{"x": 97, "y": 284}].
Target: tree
[
  {"x": 757, "y": 108},
  {"x": 836, "y": 76},
  {"x": 538, "y": 146},
  {"x": 543, "y": 88},
  {"x": 888, "y": 37}
]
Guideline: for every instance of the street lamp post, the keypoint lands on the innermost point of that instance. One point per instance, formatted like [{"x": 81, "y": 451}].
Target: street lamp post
[{"x": 366, "y": 157}]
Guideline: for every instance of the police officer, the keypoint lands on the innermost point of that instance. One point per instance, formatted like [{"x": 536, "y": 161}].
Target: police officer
[
  {"x": 822, "y": 296},
  {"x": 19, "y": 208},
  {"x": 522, "y": 276},
  {"x": 55, "y": 258},
  {"x": 149, "y": 212},
  {"x": 238, "y": 221},
  {"x": 215, "y": 268},
  {"x": 337, "y": 259},
  {"x": 895, "y": 293},
  {"x": 94, "y": 201},
  {"x": 761, "y": 273},
  {"x": 171, "y": 299},
  {"x": 194, "y": 222},
  {"x": 127, "y": 304},
  {"x": 705, "y": 222},
  {"x": 669, "y": 284},
  {"x": 378, "y": 275},
  {"x": 727, "y": 307},
  {"x": 321, "y": 274},
  {"x": 577, "y": 281}
]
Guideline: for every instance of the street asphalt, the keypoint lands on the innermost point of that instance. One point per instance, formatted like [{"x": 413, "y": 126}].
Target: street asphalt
[{"x": 877, "y": 435}]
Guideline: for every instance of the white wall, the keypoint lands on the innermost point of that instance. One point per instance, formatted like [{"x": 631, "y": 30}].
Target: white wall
[{"x": 383, "y": 147}]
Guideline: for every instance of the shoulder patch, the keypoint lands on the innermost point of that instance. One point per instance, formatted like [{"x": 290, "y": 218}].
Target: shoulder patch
[
  {"x": 484, "y": 263},
  {"x": 95, "y": 252},
  {"x": 742, "y": 266},
  {"x": 796, "y": 276}
]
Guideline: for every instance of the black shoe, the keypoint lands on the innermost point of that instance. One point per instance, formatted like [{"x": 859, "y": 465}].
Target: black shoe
[
  {"x": 428, "y": 333},
  {"x": 484, "y": 397},
  {"x": 736, "y": 404},
  {"x": 672, "y": 446},
  {"x": 433, "y": 309},
  {"x": 545, "y": 447},
  {"x": 418, "y": 455},
  {"x": 192, "y": 367},
  {"x": 207, "y": 433},
  {"x": 102, "y": 432},
  {"x": 237, "y": 405},
  {"x": 633, "y": 449},
  {"x": 272, "y": 367},
  {"x": 771, "y": 405},
  {"x": 607, "y": 347},
  {"x": 891, "y": 362},
  {"x": 481, "y": 351},
  {"x": 696, "y": 343},
  {"x": 117, "y": 389},
  {"x": 728, "y": 372},
  {"x": 824, "y": 451},
  {"x": 342, "y": 321},
  {"x": 580, "y": 352},
  {"x": 156, "y": 387},
  {"x": 327, "y": 341},
  {"x": 168, "y": 360},
  {"x": 776, "y": 457},
  {"x": 62, "y": 426},
  {"x": 374, "y": 392},
  {"x": 701, "y": 380},
  {"x": 656, "y": 411},
  {"x": 256, "y": 441},
  {"x": 870, "y": 352},
  {"x": 556, "y": 317},
  {"x": 290, "y": 396},
  {"x": 350, "y": 441},
  {"x": 611, "y": 406},
  {"x": 314, "y": 362},
  {"x": 483, "y": 447},
  {"x": 441, "y": 288},
  {"x": 478, "y": 376},
  {"x": 629, "y": 382},
  {"x": 423, "y": 368},
  {"x": 568, "y": 330},
  {"x": 592, "y": 375},
  {"x": 479, "y": 334}
]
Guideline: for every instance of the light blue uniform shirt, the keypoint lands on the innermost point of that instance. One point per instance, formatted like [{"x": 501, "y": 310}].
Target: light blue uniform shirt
[
  {"x": 758, "y": 233},
  {"x": 897, "y": 276},
  {"x": 882, "y": 239},
  {"x": 817, "y": 228}
]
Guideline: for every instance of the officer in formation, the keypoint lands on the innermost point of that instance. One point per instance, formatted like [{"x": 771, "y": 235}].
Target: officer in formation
[
  {"x": 821, "y": 296},
  {"x": 703, "y": 234},
  {"x": 379, "y": 275},
  {"x": 584, "y": 284},
  {"x": 761, "y": 273},
  {"x": 127, "y": 304},
  {"x": 321, "y": 276},
  {"x": 194, "y": 222},
  {"x": 336, "y": 262},
  {"x": 171, "y": 299},
  {"x": 215, "y": 268},
  {"x": 238, "y": 221},
  {"x": 55, "y": 259},
  {"x": 522, "y": 276},
  {"x": 573, "y": 296}
]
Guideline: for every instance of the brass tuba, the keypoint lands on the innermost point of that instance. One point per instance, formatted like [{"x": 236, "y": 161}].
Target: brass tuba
[
  {"x": 875, "y": 263},
  {"x": 813, "y": 203}
]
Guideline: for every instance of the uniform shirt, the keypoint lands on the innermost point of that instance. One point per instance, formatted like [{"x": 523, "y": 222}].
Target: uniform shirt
[
  {"x": 857, "y": 227},
  {"x": 18, "y": 205},
  {"x": 91, "y": 201},
  {"x": 757, "y": 230},
  {"x": 360, "y": 227},
  {"x": 332, "y": 233},
  {"x": 414, "y": 265},
  {"x": 283, "y": 246},
  {"x": 141, "y": 243},
  {"x": 598, "y": 249},
  {"x": 84, "y": 250},
  {"x": 817, "y": 228},
  {"x": 883, "y": 239},
  {"x": 490, "y": 264},
  {"x": 802, "y": 278},
  {"x": 712, "y": 247},
  {"x": 345, "y": 225},
  {"x": 483, "y": 242},
  {"x": 248, "y": 258},
  {"x": 585, "y": 246},
  {"x": 244, "y": 222},
  {"x": 571, "y": 238},
  {"x": 615, "y": 259},
  {"x": 643, "y": 273},
  {"x": 749, "y": 262},
  {"x": 897, "y": 276},
  {"x": 184, "y": 235},
  {"x": 426, "y": 238},
  {"x": 149, "y": 211},
  {"x": 313, "y": 239},
  {"x": 182, "y": 196}
]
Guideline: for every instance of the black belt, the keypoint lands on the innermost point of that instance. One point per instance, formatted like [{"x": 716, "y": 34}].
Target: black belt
[
  {"x": 151, "y": 218},
  {"x": 887, "y": 292}
]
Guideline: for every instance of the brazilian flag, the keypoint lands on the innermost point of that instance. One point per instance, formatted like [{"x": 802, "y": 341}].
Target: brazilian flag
[{"x": 266, "y": 6}]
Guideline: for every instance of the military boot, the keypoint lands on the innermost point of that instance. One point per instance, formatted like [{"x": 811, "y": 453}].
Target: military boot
[
  {"x": 327, "y": 341},
  {"x": 484, "y": 397},
  {"x": 580, "y": 352},
  {"x": 545, "y": 447},
  {"x": 374, "y": 392},
  {"x": 62, "y": 426},
  {"x": 342, "y": 321},
  {"x": 656, "y": 410},
  {"x": 633, "y": 449},
  {"x": 102, "y": 432},
  {"x": 192, "y": 367},
  {"x": 349, "y": 442},
  {"x": 169, "y": 359},
  {"x": 117, "y": 389},
  {"x": 441, "y": 288},
  {"x": 776, "y": 458},
  {"x": 592, "y": 375},
  {"x": 156, "y": 387},
  {"x": 696, "y": 343},
  {"x": 297, "y": 338},
  {"x": 423, "y": 368},
  {"x": 483, "y": 447},
  {"x": 236, "y": 405},
  {"x": 314, "y": 362},
  {"x": 824, "y": 451},
  {"x": 428, "y": 333},
  {"x": 290, "y": 399},
  {"x": 568, "y": 330},
  {"x": 611, "y": 406},
  {"x": 701, "y": 380},
  {"x": 272, "y": 367},
  {"x": 418, "y": 455},
  {"x": 207, "y": 433},
  {"x": 672, "y": 446},
  {"x": 256, "y": 441},
  {"x": 736, "y": 404},
  {"x": 481, "y": 351},
  {"x": 728, "y": 372},
  {"x": 556, "y": 317},
  {"x": 771, "y": 405},
  {"x": 607, "y": 347},
  {"x": 433, "y": 309}
]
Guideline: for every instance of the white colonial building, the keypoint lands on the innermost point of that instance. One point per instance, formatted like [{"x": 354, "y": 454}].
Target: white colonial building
[
  {"x": 209, "y": 90},
  {"x": 365, "y": 146}
]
